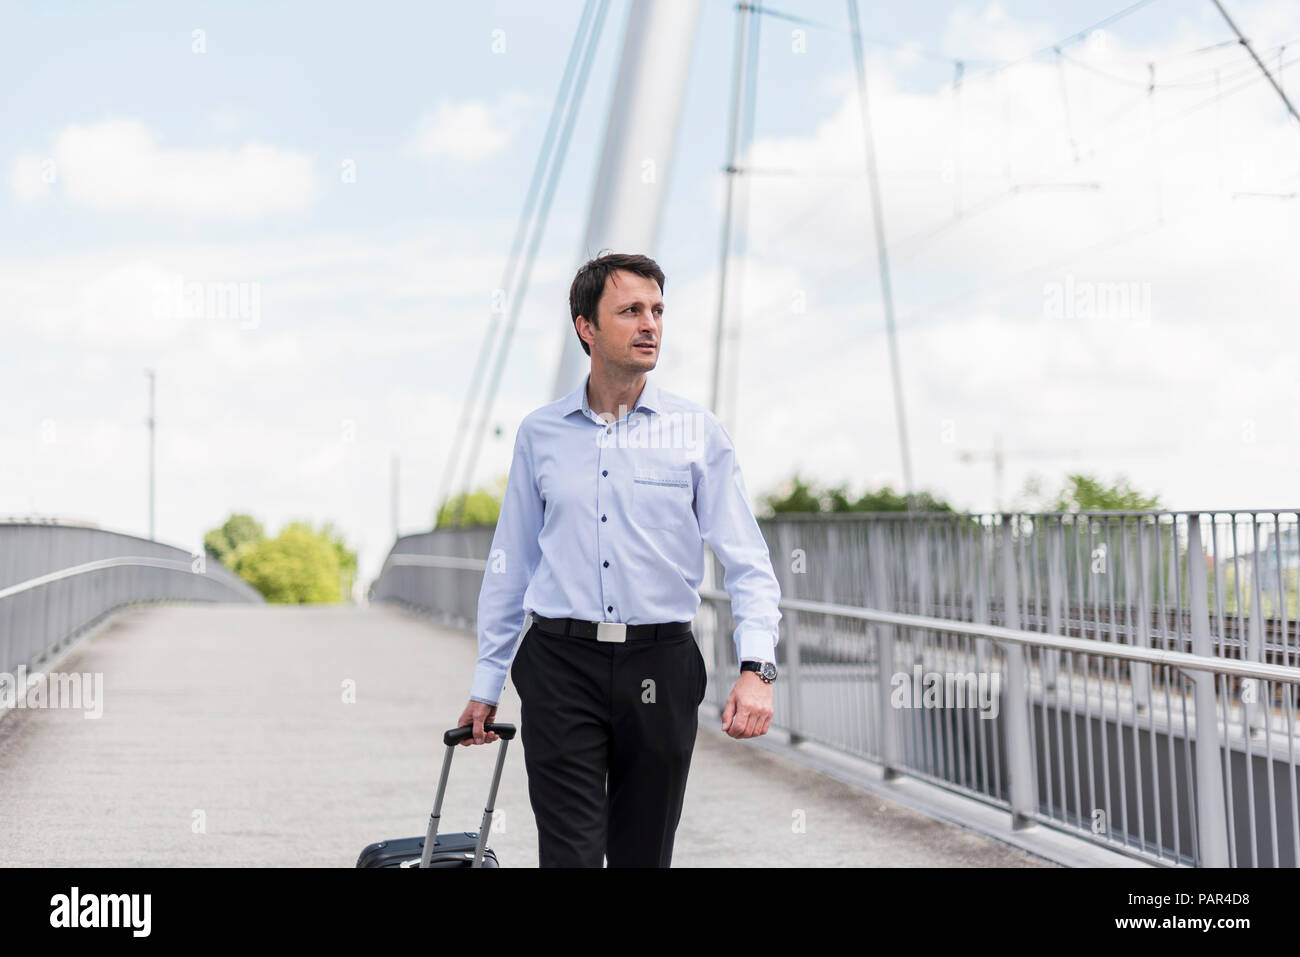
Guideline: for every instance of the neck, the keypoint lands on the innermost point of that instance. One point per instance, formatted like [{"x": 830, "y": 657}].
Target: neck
[{"x": 612, "y": 393}]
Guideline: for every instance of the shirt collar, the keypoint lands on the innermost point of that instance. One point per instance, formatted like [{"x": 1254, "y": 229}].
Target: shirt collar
[{"x": 576, "y": 400}]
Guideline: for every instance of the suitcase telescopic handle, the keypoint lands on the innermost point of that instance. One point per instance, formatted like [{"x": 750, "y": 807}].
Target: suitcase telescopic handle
[
  {"x": 457, "y": 735},
  {"x": 451, "y": 738}
]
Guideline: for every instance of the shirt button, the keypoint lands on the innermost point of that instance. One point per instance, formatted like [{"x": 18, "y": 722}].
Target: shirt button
[
  {"x": 602, "y": 518},
  {"x": 609, "y": 608},
  {"x": 608, "y": 430},
  {"x": 604, "y": 472},
  {"x": 607, "y": 564}
]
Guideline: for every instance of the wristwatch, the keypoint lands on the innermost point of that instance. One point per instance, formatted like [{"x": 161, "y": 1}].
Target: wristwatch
[{"x": 765, "y": 669}]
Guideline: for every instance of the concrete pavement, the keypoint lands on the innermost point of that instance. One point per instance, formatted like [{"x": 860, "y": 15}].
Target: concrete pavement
[{"x": 271, "y": 736}]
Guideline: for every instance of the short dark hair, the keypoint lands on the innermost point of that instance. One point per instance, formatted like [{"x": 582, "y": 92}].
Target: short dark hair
[{"x": 589, "y": 283}]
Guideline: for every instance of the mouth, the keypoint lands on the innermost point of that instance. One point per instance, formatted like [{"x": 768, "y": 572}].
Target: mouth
[{"x": 645, "y": 346}]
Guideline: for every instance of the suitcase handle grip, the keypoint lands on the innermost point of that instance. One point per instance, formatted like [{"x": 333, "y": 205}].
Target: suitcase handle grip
[
  {"x": 450, "y": 738},
  {"x": 456, "y": 735}
]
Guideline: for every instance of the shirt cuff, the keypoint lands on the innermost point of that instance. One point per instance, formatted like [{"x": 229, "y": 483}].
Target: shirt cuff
[
  {"x": 756, "y": 646},
  {"x": 488, "y": 683}
]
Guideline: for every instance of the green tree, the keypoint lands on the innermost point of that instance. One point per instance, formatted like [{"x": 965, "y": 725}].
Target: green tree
[
  {"x": 347, "y": 558},
  {"x": 800, "y": 496},
  {"x": 239, "y": 529},
  {"x": 481, "y": 507},
  {"x": 298, "y": 566},
  {"x": 1087, "y": 493}
]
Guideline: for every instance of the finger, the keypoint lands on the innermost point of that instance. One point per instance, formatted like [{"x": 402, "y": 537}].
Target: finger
[
  {"x": 739, "y": 722},
  {"x": 728, "y": 713}
]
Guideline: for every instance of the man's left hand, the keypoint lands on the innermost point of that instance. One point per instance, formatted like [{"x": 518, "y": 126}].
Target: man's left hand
[{"x": 749, "y": 707}]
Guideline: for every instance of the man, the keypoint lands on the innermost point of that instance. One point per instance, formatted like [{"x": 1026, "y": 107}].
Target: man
[{"x": 600, "y": 540}]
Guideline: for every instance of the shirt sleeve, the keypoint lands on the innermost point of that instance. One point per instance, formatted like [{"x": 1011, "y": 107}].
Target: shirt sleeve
[
  {"x": 513, "y": 558},
  {"x": 727, "y": 523}
]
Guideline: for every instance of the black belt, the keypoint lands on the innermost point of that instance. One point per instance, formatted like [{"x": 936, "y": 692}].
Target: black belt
[{"x": 611, "y": 630}]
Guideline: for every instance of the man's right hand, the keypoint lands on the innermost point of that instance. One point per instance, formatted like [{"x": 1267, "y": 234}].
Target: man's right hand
[{"x": 478, "y": 714}]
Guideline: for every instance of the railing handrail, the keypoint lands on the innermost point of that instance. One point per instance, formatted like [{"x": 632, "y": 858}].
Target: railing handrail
[
  {"x": 1091, "y": 513},
  {"x": 436, "y": 561},
  {"x": 174, "y": 564},
  {"x": 1153, "y": 656}
]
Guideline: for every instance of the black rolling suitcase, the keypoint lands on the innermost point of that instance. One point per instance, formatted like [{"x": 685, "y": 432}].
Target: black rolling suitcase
[{"x": 456, "y": 848}]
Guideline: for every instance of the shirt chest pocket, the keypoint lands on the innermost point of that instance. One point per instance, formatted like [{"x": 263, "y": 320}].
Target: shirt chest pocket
[{"x": 661, "y": 497}]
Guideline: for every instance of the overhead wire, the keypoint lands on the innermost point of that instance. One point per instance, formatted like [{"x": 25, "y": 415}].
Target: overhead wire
[
  {"x": 590, "y": 43},
  {"x": 544, "y": 157}
]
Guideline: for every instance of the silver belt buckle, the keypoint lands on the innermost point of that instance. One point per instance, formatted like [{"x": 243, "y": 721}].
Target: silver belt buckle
[{"x": 611, "y": 631}]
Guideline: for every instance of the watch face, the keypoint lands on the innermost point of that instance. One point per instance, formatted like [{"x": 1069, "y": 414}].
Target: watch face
[{"x": 769, "y": 671}]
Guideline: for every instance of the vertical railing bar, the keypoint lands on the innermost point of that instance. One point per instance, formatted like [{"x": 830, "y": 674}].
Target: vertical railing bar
[
  {"x": 885, "y": 637},
  {"x": 1224, "y": 694},
  {"x": 1130, "y": 618},
  {"x": 1289, "y": 703},
  {"x": 952, "y": 645},
  {"x": 1026, "y": 571},
  {"x": 1019, "y": 757},
  {"x": 980, "y": 614},
  {"x": 1254, "y": 715},
  {"x": 1148, "y": 535},
  {"x": 795, "y": 721},
  {"x": 1281, "y": 591},
  {"x": 1169, "y": 691},
  {"x": 1272, "y": 783},
  {"x": 1119, "y": 721},
  {"x": 1085, "y": 582},
  {"x": 1049, "y": 662}
]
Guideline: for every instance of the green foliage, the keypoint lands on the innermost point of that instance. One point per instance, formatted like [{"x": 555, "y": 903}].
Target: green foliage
[
  {"x": 296, "y": 567},
  {"x": 799, "y": 496},
  {"x": 482, "y": 507},
  {"x": 240, "y": 529},
  {"x": 346, "y": 557},
  {"x": 300, "y": 565},
  {"x": 1087, "y": 493}
]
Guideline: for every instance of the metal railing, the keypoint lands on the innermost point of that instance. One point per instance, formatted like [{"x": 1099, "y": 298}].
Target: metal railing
[
  {"x": 57, "y": 581},
  {"x": 437, "y": 574},
  {"x": 1076, "y": 670}
]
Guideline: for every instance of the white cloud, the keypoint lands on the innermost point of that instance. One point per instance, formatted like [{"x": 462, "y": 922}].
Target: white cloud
[
  {"x": 381, "y": 331},
  {"x": 469, "y": 130},
  {"x": 1192, "y": 401},
  {"x": 32, "y": 177},
  {"x": 363, "y": 350},
  {"x": 119, "y": 164}
]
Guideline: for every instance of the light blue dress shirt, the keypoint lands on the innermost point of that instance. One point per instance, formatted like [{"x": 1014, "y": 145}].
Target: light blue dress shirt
[{"x": 606, "y": 522}]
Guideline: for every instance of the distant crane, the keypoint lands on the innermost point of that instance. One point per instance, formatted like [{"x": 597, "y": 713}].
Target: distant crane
[{"x": 998, "y": 456}]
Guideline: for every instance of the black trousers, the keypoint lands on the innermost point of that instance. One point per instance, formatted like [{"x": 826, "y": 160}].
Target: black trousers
[{"x": 608, "y": 729}]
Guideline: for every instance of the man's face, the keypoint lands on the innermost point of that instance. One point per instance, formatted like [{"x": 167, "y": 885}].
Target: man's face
[{"x": 631, "y": 321}]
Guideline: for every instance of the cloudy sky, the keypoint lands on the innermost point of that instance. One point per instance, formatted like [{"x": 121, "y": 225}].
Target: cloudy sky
[{"x": 1099, "y": 276}]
